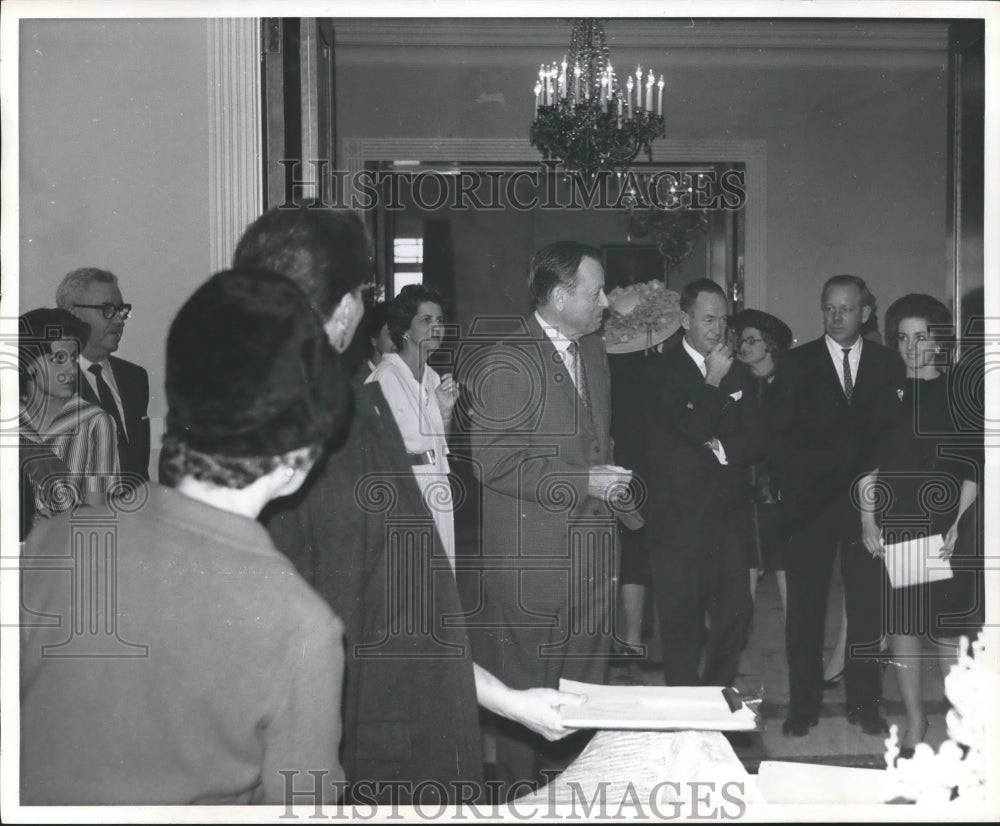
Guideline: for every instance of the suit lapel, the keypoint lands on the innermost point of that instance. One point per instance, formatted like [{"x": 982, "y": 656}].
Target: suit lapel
[
  {"x": 86, "y": 391},
  {"x": 558, "y": 376}
]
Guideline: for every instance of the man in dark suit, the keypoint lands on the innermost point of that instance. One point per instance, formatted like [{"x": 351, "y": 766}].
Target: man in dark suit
[
  {"x": 839, "y": 394},
  {"x": 702, "y": 431},
  {"x": 120, "y": 387},
  {"x": 540, "y": 435},
  {"x": 360, "y": 533}
]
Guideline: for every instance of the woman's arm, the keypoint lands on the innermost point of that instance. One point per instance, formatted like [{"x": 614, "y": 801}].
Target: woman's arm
[
  {"x": 866, "y": 495},
  {"x": 968, "y": 494},
  {"x": 101, "y": 468}
]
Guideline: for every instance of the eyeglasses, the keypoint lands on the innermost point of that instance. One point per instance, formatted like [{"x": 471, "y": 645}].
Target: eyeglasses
[
  {"x": 62, "y": 356},
  {"x": 109, "y": 310},
  {"x": 750, "y": 341}
]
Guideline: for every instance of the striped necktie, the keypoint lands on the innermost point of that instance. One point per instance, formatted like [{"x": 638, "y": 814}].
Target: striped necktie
[
  {"x": 848, "y": 381},
  {"x": 580, "y": 375}
]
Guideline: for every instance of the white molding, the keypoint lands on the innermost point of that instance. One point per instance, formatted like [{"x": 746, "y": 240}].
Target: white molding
[
  {"x": 234, "y": 133},
  {"x": 753, "y": 153},
  {"x": 706, "y": 42}
]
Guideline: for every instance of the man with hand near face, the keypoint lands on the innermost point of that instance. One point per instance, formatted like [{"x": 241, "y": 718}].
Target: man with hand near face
[
  {"x": 702, "y": 430},
  {"x": 841, "y": 392},
  {"x": 118, "y": 386}
]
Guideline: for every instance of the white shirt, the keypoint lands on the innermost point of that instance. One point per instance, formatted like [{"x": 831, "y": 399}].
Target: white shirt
[
  {"x": 853, "y": 359},
  {"x": 414, "y": 405},
  {"x": 699, "y": 360},
  {"x": 109, "y": 378},
  {"x": 561, "y": 343}
]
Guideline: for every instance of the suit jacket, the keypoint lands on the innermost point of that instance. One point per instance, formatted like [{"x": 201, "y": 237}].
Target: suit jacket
[
  {"x": 826, "y": 443},
  {"x": 360, "y": 534},
  {"x": 133, "y": 388},
  {"x": 533, "y": 442},
  {"x": 685, "y": 483}
]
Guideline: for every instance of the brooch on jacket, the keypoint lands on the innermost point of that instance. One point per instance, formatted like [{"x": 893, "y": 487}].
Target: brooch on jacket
[{"x": 899, "y": 393}]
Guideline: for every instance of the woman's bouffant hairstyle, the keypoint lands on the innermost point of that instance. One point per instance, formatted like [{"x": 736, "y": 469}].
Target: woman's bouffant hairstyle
[
  {"x": 402, "y": 309},
  {"x": 37, "y": 330},
  {"x": 940, "y": 323}
]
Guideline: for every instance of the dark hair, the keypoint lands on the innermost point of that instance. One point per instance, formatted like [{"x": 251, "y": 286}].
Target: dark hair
[
  {"x": 556, "y": 265},
  {"x": 690, "y": 293},
  {"x": 776, "y": 334},
  {"x": 376, "y": 318},
  {"x": 325, "y": 251},
  {"x": 77, "y": 281},
  {"x": 37, "y": 330},
  {"x": 867, "y": 299},
  {"x": 402, "y": 309},
  {"x": 940, "y": 323}
]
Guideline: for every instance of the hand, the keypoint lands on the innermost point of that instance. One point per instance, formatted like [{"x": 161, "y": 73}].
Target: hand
[
  {"x": 950, "y": 539},
  {"x": 717, "y": 363},
  {"x": 447, "y": 394},
  {"x": 537, "y": 709},
  {"x": 871, "y": 537},
  {"x": 608, "y": 482}
]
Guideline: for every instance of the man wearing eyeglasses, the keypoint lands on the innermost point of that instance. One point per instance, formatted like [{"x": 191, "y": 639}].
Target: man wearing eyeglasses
[{"x": 118, "y": 386}]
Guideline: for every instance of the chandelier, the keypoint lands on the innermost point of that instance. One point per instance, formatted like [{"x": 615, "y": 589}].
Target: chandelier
[{"x": 584, "y": 118}]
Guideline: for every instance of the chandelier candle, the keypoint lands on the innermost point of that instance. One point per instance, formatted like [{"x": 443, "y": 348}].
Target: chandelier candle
[{"x": 592, "y": 124}]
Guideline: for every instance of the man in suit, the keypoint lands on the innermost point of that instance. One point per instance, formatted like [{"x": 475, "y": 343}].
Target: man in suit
[
  {"x": 118, "y": 386},
  {"x": 839, "y": 394},
  {"x": 539, "y": 408},
  {"x": 360, "y": 533},
  {"x": 702, "y": 432}
]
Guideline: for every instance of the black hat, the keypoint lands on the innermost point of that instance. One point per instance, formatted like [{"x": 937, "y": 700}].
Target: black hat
[
  {"x": 771, "y": 326},
  {"x": 250, "y": 371}
]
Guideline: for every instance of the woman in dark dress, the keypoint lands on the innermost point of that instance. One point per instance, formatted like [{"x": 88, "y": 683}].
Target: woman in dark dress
[
  {"x": 760, "y": 338},
  {"x": 925, "y": 482}
]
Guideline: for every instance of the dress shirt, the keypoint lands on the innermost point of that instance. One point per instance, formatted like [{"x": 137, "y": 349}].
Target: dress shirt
[
  {"x": 699, "y": 360},
  {"x": 109, "y": 378},
  {"x": 561, "y": 343},
  {"x": 853, "y": 358}
]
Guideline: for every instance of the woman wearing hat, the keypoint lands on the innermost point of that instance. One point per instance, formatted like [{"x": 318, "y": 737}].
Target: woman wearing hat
[
  {"x": 760, "y": 338},
  {"x": 221, "y": 682}
]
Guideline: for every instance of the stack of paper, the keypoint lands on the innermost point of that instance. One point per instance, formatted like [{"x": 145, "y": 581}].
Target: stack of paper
[
  {"x": 661, "y": 708},
  {"x": 916, "y": 561}
]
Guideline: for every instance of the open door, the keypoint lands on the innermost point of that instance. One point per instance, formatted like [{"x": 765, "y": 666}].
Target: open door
[{"x": 299, "y": 121}]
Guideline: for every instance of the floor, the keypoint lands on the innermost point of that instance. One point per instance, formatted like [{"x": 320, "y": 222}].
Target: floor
[{"x": 764, "y": 672}]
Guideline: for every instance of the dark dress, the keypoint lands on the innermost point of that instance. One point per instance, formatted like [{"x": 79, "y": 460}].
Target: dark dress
[
  {"x": 763, "y": 526},
  {"x": 923, "y": 461}
]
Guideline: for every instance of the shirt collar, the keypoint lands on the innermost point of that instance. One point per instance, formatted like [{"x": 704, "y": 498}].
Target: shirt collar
[
  {"x": 559, "y": 341},
  {"x": 698, "y": 358},
  {"x": 85, "y": 363},
  {"x": 837, "y": 350}
]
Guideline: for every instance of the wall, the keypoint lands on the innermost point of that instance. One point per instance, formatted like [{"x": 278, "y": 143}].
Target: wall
[
  {"x": 114, "y": 168},
  {"x": 855, "y": 135}
]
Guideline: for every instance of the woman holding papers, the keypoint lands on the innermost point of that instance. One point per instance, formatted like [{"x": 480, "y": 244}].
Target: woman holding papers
[{"x": 926, "y": 479}]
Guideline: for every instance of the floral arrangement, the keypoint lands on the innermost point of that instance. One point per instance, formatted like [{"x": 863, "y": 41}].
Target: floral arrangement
[
  {"x": 957, "y": 773},
  {"x": 641, "y": 315}
]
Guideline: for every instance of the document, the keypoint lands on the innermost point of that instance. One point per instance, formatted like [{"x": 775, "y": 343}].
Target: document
[
  {"x": 662, "y": 708},
  {"x": 916, "y": 561}
]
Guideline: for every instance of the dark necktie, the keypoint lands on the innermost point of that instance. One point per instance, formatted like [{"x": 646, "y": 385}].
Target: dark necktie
[
  {"x": 848, "y": 381},
  {"x": 580, "y": 374},
  {"x": 108, "y": 401}
]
